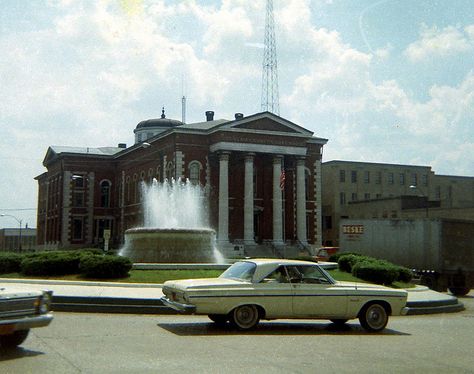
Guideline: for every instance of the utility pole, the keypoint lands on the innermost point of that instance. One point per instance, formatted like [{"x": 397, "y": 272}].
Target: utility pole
[{"x": 270, "y": 96}]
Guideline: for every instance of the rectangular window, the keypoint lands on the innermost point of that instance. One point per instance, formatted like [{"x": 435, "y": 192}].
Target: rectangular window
[
  {"x": 77, "y": 228},
  {"x": 390, "y": 178},
  {"x": 378, "y": 177},
  {"x": 367, "y": 196},
  {"x": 78, "y": 181},
  {"x": 78, "y": 199},
  {"x": 366, "y": 177},
  {"x": 342, "y": 198},
  {"x": 342, "y": 176},
  {"x": 354, "y": 196},
  {"x": 414, "y": 179},
  {"x": 424, "y": 179},
  {"x": 402, "y": 179},
  {"x": 354, "y": 176}
]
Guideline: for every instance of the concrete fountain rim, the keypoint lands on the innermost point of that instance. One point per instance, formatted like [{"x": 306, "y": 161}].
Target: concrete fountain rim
[{"x": 152, "y": 230}]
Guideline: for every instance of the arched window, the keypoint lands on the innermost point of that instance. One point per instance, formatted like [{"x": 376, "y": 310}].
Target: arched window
[
  {"x": 194, "y": 172},
  {"x": 105, "y": 194}
]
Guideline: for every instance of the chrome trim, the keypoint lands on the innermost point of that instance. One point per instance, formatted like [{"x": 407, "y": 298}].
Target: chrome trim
[
  {"x": 180, "y": 307},
  {"x": 29, "y": 322}
]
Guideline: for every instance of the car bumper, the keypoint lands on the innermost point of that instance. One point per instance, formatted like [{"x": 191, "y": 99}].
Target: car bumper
[
  {"x": 24, "y": 323},
  {"x": 404, "y": 311},
  {"x": 180, "y": 307}
]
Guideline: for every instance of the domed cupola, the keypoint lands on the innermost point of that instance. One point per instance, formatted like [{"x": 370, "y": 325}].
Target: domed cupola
[{"x": 151, "y": 127}]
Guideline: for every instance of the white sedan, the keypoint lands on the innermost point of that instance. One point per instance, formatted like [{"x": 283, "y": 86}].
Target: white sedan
[{"x": 255, "y": 289}]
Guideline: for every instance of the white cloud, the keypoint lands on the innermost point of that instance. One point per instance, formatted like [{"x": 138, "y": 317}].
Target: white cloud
[{"x": 434, "y": 42}]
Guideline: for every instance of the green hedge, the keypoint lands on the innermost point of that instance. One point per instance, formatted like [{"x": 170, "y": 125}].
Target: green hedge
[
  {"x": 336, "y": 256},
  {"x": 347, "y": 261},
  {"x": 373, "y": 270},
  {"x": 52, "y": 263},
  {"x": 91, "y": 263},
  {"x": 105, "y": 266},
  {"x": 10, "y": 263}
]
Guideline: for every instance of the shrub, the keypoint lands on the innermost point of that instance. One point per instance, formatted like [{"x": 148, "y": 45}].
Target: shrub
[
  {"x": 374, "y": 271},
  {"x": 404, "y": 275},
  {"x": 109, "y": 266},
  {"x": 347, "y": 261},
  {"x": 10, "y": 263},
  {"x": 53, "y": 263},
  {"x": 336, "y": 256}
]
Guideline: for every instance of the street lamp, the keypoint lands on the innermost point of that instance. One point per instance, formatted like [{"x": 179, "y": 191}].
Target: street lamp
[
  {"x": 16, "y": 219},
  {"x": 415, "y": 187}
]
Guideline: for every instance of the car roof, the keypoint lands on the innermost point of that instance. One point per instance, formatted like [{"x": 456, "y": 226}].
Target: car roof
[
  {"x": 266, "y": 265},
  {"x": 278, "y": 261}
]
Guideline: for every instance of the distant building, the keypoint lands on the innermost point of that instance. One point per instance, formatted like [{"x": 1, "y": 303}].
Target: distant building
[
  {"x": 376, "y": 190},
  {"x": 10, "y": 239},
  {"x": 261, "y": 173}
]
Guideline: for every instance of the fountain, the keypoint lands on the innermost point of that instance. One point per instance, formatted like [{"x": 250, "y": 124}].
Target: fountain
[{"x": 175, "y": 226}]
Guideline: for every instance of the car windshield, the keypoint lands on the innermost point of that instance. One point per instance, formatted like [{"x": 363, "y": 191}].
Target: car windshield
[{"x": 240, "y": 270}]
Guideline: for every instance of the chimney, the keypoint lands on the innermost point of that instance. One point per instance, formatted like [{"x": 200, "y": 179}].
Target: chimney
[
  {"x": 239, "y": 116},
  {"x": 122, "y": 145},
  {"x": 209, "y": 115}
]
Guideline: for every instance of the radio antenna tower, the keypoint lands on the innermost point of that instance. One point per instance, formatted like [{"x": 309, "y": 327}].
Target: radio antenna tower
[{"x": 270, "y": 98}]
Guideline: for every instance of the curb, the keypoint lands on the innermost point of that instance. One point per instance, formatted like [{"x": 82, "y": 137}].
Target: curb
[
  {"x": 92, "y": 304},
  {"x": 109, "y": 305}
]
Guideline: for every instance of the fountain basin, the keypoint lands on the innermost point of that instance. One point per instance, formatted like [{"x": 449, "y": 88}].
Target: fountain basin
[{"x": 158, "y": 245}]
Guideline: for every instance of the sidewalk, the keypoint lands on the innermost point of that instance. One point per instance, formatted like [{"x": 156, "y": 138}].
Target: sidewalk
[{"x": 143, "y": 298}]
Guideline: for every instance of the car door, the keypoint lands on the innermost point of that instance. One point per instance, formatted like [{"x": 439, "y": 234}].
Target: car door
[
  {"x": 313, "y": 293},
  {"x": 275, "y": 294}
]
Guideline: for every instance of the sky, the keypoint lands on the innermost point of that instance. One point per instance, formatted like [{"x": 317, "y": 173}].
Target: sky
[{"x": 388, "y": 81}]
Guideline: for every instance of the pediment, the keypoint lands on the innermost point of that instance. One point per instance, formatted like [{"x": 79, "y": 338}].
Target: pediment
[
  {"x": 50, "y": 155},
  {"x": 268, "y": 122}
]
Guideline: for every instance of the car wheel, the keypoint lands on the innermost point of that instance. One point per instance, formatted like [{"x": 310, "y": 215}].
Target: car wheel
[
  {"x": 339, "y": 322},
  {"x": 219, "y": 319},
  {"x": 373, "y": 317},
  {"x": 13, "y": 340},
  {"x": 244, "y": 317}
]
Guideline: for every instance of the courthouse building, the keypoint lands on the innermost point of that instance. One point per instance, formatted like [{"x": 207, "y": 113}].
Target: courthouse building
[{"x": 261, "y": 175}]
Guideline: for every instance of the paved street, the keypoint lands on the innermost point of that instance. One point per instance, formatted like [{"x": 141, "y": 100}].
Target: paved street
[{"x": 106, "y": 343}]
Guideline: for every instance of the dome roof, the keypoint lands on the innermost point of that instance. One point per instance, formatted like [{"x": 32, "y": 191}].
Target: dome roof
[{"x": 162, "y": 122}]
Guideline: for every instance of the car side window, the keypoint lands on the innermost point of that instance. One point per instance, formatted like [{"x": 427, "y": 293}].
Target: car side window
[
  {"x": 306, "y": 274},
  {"x": 277, "y": 276},
  {"x": 294, "y": 274}
]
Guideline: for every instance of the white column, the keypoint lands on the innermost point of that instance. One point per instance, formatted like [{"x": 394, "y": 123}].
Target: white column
[
  {"x": 301, "y": 201},
  {"x": 223, "y": 230},
  {"x": 277, "y": 202},
  {"x": 248, "y": 200}
]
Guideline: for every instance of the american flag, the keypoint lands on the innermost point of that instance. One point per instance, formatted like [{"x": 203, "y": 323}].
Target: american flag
[{"x": 282, "y": 179}]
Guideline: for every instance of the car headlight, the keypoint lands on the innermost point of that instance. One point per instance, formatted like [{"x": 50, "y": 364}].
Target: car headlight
[{"x": 44, "y": 302}]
